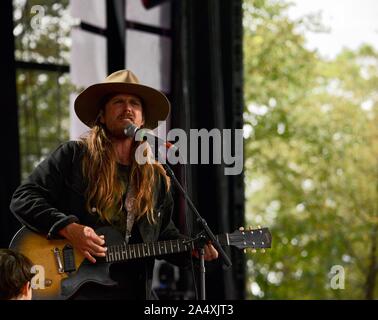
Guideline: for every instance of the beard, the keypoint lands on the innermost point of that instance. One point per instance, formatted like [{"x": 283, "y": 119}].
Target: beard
[{"x": 116, "y": 132}]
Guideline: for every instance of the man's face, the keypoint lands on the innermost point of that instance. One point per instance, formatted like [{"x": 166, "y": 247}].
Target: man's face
[{"x": 119, "y": 111}]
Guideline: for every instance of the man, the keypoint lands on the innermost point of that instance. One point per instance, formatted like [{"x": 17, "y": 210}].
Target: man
[
  {"x": 15, "y": 276},
  {"x": 97, "y": 181}
]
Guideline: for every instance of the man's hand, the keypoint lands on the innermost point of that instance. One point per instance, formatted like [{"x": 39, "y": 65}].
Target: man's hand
[
  {"x": 210, "y": 252},
  {"x": 85, "y": 240}
]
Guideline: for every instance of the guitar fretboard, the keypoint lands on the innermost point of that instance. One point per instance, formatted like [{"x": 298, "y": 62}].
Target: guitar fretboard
[{"x": 122, "y": 252}]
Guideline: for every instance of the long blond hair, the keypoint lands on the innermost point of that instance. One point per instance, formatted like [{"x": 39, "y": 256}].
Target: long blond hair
[{"x": 105, "y": 189}]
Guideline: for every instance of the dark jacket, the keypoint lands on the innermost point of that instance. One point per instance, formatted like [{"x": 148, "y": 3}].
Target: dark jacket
[{"x": 53, "y": 197}]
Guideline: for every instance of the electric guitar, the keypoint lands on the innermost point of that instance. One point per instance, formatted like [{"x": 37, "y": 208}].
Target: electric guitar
[{"x": 60, "y": 270}]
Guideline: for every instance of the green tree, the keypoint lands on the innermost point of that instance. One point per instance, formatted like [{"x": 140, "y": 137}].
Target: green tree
[
  {"x": 41, "y": 30},
  {"x": 311, "y": 159}
]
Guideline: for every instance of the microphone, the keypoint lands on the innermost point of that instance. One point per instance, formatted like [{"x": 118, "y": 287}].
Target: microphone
[{"x": 131, "y": 131}]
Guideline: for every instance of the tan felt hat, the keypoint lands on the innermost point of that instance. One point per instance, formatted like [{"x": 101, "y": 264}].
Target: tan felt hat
[{"x": 156, "y": 106}]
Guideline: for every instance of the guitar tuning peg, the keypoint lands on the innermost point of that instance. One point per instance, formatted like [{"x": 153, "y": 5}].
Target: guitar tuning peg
[
  {"x": 241, "y": 228},
  {"x": 258, "y": 227},
  {"x": 245, "y": 250},
  {"x": 262, "y": 251},
  {"x": 250, "y": 228},
  {"x": 253, "y": 250}
]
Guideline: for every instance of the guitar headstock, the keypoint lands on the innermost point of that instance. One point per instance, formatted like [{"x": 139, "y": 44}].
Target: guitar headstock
[{"x": 259, "y": 238}]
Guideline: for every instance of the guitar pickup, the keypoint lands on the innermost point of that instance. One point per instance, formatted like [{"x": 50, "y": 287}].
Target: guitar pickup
[{"x": 69, "y": 259}]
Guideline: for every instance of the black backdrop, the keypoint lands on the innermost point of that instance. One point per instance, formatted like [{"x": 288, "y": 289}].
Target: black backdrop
[
  {"x": 10, "y": 164},
  {"x": 207, "y": 93}
]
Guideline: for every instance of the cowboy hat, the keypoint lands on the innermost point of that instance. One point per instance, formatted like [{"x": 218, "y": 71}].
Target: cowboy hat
[{"x": 88, "y": 103}]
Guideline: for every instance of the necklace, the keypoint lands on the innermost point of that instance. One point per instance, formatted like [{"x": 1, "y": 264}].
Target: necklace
[{"x": 129, "y": 206}]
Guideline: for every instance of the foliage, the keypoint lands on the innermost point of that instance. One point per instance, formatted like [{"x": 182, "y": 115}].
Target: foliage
[
  {"x": 43, "y": 96},
  {"x": 42, "y": 31},
  {"x": 311, "y": 159}
]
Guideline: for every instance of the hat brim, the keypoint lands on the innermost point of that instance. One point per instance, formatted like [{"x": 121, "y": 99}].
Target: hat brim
[{"x": 156, "y": 106}]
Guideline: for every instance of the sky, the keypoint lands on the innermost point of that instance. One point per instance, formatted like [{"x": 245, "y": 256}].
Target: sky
[{"x": 352, "y": 22}]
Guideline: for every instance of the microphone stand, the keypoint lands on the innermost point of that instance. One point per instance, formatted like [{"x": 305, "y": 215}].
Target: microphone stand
[{"x": 201, "y": 240}]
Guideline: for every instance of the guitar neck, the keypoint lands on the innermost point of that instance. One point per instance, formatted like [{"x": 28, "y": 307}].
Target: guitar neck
[{"x": 123, "y": 252}]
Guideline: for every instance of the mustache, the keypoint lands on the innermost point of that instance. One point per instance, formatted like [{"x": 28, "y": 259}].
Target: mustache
[{"x": 126, "y": 116}]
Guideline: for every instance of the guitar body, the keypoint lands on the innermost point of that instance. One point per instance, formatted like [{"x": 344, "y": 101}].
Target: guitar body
[
  {"x": 60, "y": 270},
  {"x": 49, "y": 283}
]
